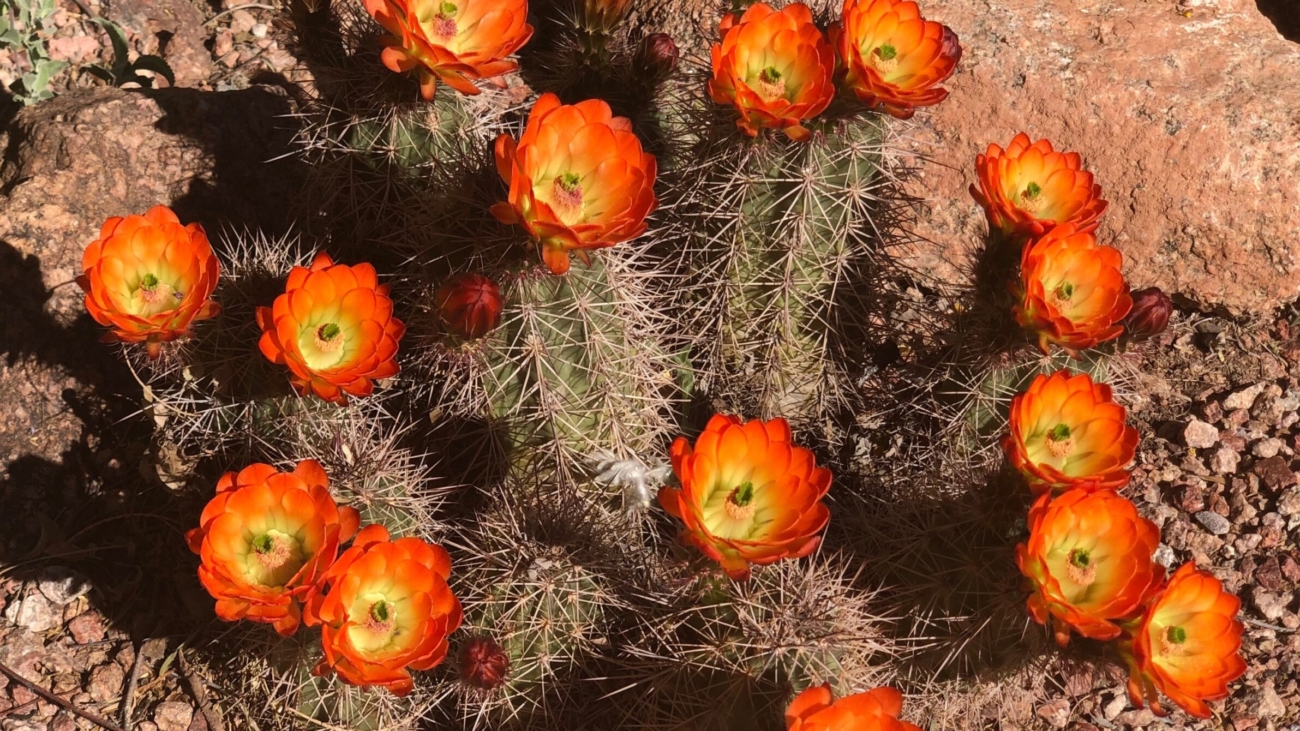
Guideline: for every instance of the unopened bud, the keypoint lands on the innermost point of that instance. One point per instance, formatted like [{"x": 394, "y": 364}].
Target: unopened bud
[
  {"x": 656, "y": 58},
  {"x": 483, "y": 663},
  {"x": 469, "y": 305},
  {"x": 1150, "y": 314}
]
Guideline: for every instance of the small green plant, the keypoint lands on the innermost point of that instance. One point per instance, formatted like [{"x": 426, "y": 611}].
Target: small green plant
[
  {"x": 125, "y": 71},
  {"x": 22, "y": 28}
]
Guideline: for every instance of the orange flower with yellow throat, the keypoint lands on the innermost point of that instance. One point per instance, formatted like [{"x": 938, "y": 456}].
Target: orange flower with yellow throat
[
  {"x": 775, "y": 68},
  {"x": 874, "y": 710},
  {"x": 892, "y": 58},
  {"x": 334, "y": 329},
  {"x": 1073, "y": 293},
  {"x": 1067, "y": 431},
  {"x": 149, "y": 278},
  {"x": 578, "y": 179},
  {"x": 1030, "y": 187},
  {"x": 453, "y": 41},
  {"x": 384, "y": 609},
  {"x": 1089, "y": 559},
  {"x": 748, "y": 495},
  {"x": 1187, "y": 645},
  {"x": 266, "y": 538}
]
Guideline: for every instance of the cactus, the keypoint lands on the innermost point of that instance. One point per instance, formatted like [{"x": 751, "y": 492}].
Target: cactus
[
  {"x": 729, "y": 655},
  {"x": 537, "y": 595}
]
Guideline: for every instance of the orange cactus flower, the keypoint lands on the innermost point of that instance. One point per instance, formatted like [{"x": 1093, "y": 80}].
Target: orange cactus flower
[
  {"x": 1067, "y": 431},
  {"x": 384, "y": 609},
  {"x": 874, "y": 710},
  {"x": 334, "y": 328},
  {"x": 456, "y": 41},
  {"x": 892, "y": 57},
  {"x": 578, "y": 179},
  {"x": 748, "y": 495},
  {"x": 1029, "y": 188},
  {"x": 1089, "y": 559},
  {"x": 1186, "y": 644},
  {"x": 149, "y": 278},
  {"x": 1073, "y": 292},
  {"x": 265, "y": 540},
  {"x": 775, "y": 67}
]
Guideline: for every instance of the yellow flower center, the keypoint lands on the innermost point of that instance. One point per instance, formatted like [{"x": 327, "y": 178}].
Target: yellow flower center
[
  {"x": 567, "y": 196},
  {"x": 740, "y": 503},
  {"x": 1032, "y": 198},
  {"x": 1059, "y": 441},
  {"x": 1062, "y": 295},
  {"x": 884, "y": 59},
  {"x": 328, "y": 338},
  {"x": 444, "y": 23},
  {"x": 1081, "y": 567},
  {"x": 1171, "y": 642},
  {"x": 381, "y": 617},
  {"x": 273, "y": 549},
  {"x": 154, "y": 296},
  {"x": 770, "y": 84}
]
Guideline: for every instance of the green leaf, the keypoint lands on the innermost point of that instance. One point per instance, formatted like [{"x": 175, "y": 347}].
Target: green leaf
[
  {"x": 157, "y": 65},
  {"x": 121, "y": 52}
]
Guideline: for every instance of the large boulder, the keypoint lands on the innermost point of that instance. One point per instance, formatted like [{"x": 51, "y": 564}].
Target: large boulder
[{"x": 1188, "y": 113}]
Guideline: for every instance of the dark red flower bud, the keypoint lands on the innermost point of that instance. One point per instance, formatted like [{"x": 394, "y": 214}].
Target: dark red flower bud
[
  {"x": 1150, "y": 314},
  {"x": 656, "y": 58},
  {"x": 469, "y": 305},
  {"x": 483, "y": 663}
]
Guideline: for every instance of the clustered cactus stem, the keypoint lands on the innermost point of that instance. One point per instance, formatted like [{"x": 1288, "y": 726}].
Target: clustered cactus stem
[{"x": 434, "y": 439}]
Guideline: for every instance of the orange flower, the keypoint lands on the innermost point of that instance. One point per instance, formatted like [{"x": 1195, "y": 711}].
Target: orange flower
[
  {"x": 774, "y": 67},
  {"x": 578, "y": 179},
  {"x": 748, "y": 495},
  {"x": 266, "y": 538},
  {"x": 874, "y": 710},
  {"x": 384, "y": 609},
  {"x": 1066, "y": 431},
  {"x": 1089, "y": 558},
  {"x": 149, "y": 278},
  {"x": 1186, "y": 645},
  {"x": 453, "y": 40},
  {"x": 334, "y": 328},
  {"x": 1029, "y": 188},
  {"x": 893, "y": 58},
  {"x": 1074, "y": 294}
]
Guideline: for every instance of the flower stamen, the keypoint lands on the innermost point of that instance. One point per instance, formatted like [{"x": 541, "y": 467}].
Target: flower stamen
[
  {"x": 740, "y": 503},
  {"x": 884, "y": 59},
  {"x": 272, "y": 550},
  {"x": 1059, "y": 441},
  {"x": 444, "y": 23},
  {"x": 327, "y": 337},
  {"x": 1082, "y": 569},
  {"x": 568, "y": 194},
  {"x": 770, "y": 84},
  {"x": 381, "y": 617},
  {"x": 1171, "y": 641}
]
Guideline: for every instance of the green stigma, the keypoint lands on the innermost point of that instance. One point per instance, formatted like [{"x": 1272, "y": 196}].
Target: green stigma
[
  {"x": 328, "y": 331},
  {"x": 148, "y": 282},
  {"x": 263, "y": 543},
  {"x": 1032, "y": 190},
  {"x": 379, "y": 612},
  {"x": 1176, "y": 635},
  {"x": 770, "y": 75},
  {"x": 1080, "y": 558},
  {"x": 1065, "y": 291},
  {"x": 447, "y": 8},
  {"x": 743, "y": 495},
  {"x": 1060, "y": 432},
  {"x": 569, "y": 182},
  {"x": 887, "y": 52}
]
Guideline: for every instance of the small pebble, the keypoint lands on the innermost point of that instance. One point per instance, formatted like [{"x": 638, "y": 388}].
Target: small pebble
[
  {"x": 1199, "y": 435},
  {"x": 1213, "y": 522}
]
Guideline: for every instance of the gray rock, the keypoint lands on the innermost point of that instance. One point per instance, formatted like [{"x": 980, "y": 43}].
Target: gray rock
[
  {"x": 1270, "y": 604},
  {"x": 34, "y": 613},
  {"x": 106, "y": 682},
  {"x": 1213, "y": 522},
  {"x": 1199, "y": 435},
  {"x": 1289, "y": 503},
  {"x": 173, "y": 716},
  {"x": 1165, "y": 556},
  {"x": 62, "y": 585},
  {"x": 1224, "y": 461},
  {"x": 1267, "y": 447},
  {"x": 1243, "y": 399},
  {"x": 1269, "y": 704}
]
